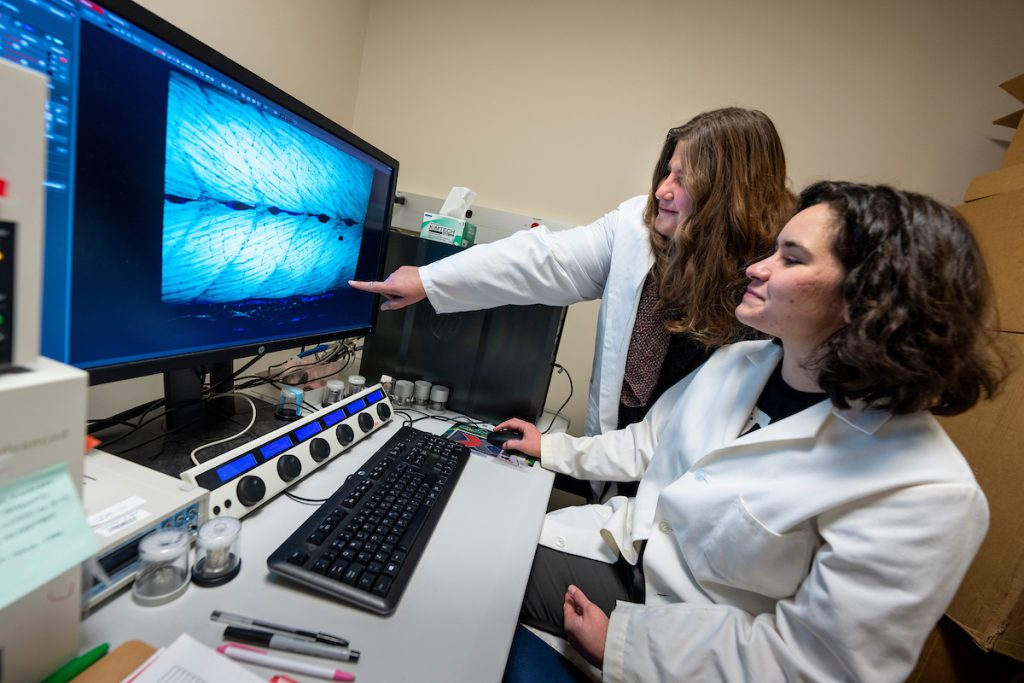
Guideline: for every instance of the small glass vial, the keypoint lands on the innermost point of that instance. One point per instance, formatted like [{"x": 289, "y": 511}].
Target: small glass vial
[
  {"x": 333, "y": 391},
  {"x": 164, "y": 567},
  {"x": 438, "y": 397},
  {"x": 289, "y": 405},
  {"x": 388, "y": 385},
  {"x": 356, "y": 383},
  {"x": 421, "y": 394},
  {"x": 217, "y": 557},
  {"x": 403, "y": 393}
]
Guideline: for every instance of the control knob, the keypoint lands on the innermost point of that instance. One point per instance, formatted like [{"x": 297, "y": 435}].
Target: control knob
[
  {"x": 365, "y": 422},
  {"x": 345, "y": 435},
  {"x": 251, "y": 490},
  {"x": 288, "y": 467}
]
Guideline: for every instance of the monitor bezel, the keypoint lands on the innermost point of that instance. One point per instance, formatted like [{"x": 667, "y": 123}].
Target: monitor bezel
[{"x": 168, "y": 32}]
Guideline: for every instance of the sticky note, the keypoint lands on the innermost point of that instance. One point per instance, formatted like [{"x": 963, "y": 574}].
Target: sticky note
[{"x": 43, "y": 531}]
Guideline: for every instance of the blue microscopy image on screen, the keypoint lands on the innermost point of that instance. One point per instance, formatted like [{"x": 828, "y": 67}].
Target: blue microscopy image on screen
[{"x": 255, "y": 210}]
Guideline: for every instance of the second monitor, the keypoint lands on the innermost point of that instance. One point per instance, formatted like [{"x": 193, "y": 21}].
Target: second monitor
[{"x": 497, "y": 362}]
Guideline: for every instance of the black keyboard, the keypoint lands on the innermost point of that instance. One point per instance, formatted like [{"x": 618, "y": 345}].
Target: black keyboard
[{"x": 362, "y": 545}]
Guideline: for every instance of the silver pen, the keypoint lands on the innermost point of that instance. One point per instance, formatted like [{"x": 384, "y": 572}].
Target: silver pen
[
  {"x": 239, "y": 620},
  {"x": 280, "y": 641}
]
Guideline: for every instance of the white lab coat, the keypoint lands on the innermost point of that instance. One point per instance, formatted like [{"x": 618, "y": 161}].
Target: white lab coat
[
  {"x": 823, "y": 547},
  {"x": 609, "y": 258}
]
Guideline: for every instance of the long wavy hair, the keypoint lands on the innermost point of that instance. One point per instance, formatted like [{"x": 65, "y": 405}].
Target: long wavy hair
[
  {"x": 735, "y": 174},
  {"x": 922, "y": 320}
]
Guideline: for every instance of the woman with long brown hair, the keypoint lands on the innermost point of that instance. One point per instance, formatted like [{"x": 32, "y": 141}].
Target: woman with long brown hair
[{"x": 668, "y": 267}]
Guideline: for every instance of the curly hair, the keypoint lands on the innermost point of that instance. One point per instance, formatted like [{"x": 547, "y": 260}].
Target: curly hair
[
  {"x": 922, "y": 320},
  {"x": 735, "y": 174}
]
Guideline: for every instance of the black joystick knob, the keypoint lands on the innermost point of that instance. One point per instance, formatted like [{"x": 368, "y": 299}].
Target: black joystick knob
[
  {"x": 288, "y": 467},
  {"x": 383, "y": 411},
  {"x": 319, "y": 449},
  {"x": 365, "y": 422},
  {"x": 251, "y": 490},
  {"x": 345, "y": 435}
]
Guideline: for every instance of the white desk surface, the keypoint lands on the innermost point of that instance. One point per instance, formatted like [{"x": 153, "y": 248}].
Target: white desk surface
[{"x": 454, "y": 622}]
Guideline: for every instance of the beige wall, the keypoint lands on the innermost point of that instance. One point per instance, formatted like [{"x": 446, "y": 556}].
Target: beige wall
[
  {"x": 557, "y": 107},
  {"x": 311, "y": 49}
]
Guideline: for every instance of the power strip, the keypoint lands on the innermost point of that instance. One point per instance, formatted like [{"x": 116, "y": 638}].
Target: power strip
[{"x": 246, "y": 477}]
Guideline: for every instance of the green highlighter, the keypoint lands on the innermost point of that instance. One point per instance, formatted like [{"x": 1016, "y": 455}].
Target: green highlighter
[{"x": 77, "y": 665}]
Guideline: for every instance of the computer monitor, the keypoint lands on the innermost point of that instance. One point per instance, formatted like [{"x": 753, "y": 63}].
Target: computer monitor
[{"x": 195, "y": 213}]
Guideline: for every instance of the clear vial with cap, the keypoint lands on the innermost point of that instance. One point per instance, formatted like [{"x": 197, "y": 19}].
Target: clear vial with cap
[
  {"x": 164, "y": 573},
  {"x": 333, "y": 391},
  {"x": 217, "y": 552},
  {"x": 421, "y": 393},
  {"x": 388, "y": 385},
  {"x": 403, "y": 393},
  {"x": 289, "y": 404},
  {"x": 438, "y": 397},
  {"x": 356, "y": 383}
]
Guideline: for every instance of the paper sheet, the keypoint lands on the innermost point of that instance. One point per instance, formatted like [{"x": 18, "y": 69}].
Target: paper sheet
[
  {"x": 43, "y": 531},
  {"x": 189, "y": 661}
]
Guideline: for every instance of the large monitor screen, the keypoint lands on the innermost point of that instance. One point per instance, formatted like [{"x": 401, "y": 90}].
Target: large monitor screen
[{"x": 195, "y": 213}]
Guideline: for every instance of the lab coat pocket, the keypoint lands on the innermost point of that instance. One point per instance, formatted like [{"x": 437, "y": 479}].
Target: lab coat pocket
[{"x": 743, "y": 553}]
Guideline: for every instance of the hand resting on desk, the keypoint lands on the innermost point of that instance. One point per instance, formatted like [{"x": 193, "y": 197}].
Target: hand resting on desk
[{"x": 529, "y": 444}]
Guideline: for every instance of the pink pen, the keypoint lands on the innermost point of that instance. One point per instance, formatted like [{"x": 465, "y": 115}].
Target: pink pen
[{"x": 254, "y": 655}]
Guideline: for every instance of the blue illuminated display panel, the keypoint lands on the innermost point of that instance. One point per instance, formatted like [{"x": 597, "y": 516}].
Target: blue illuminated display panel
[
  {"x": 355, "y": 406},
  {"x": 236, "y": 467},
  {"x": 376, "y": 396},
  {"x": 335, "y": 417},
  {"x": 308, "y": 430},
  {"x": 276, "y": 446}
]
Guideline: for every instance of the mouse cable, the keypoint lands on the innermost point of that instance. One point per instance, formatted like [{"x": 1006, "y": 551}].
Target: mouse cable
[{"x": 561, "y": 369}]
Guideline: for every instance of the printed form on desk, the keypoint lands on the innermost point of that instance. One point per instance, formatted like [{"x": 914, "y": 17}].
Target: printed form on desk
[{"x": 189, "y": 661}]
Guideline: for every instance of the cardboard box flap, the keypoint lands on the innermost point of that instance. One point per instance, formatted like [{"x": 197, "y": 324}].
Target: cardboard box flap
[
  {"x": 1015, "y": 152},
  {"x": 1015, "y": 86},
  {"x": 1005, "y": 179},
  {"x": 1010, "y": 120}
]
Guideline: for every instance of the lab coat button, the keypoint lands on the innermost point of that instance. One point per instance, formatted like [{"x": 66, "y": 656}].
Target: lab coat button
[
  {"x": 664, "y": 527},
  {"x": 560, "y": 541},
  {"x": 700, "y": 476}
]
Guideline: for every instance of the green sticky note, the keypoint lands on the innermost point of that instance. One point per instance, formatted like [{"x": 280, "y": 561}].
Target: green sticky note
[{"x": 43, "y": 531}]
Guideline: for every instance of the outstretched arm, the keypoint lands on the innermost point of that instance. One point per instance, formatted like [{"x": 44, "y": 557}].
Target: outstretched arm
[{"x": 402, "y": 288}]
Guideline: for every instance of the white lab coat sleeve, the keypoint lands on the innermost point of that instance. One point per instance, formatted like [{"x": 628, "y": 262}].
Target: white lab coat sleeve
[
  {"x": 887, "y": 570},
  {"x": 622, "y": 455},
  {"x": 534, "y": 266}
]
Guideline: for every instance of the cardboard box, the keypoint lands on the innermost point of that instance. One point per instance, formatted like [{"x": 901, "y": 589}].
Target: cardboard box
[
  {"x": 446, "y": 229},
  {"x": 1006, "y": 179},
  {"x": 990, "y": 602},
  {"x": 998, "y": 223},
  {"x": 1015, "y": 153}
]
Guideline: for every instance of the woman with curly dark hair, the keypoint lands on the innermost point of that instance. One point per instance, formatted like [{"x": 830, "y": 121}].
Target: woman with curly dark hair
[{"x": 801, "y": 514}]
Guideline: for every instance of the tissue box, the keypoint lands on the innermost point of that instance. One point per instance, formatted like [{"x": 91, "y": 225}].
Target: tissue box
[{"x": 447, "y": 229}]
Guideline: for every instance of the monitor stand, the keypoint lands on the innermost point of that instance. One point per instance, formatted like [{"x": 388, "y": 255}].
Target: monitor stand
[{"x": 165, "y": 444}]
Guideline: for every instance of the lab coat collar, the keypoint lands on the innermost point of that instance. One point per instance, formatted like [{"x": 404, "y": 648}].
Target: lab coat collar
[{"x": 807, "y": 423}]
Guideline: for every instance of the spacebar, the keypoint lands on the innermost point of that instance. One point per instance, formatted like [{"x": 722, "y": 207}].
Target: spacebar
[{"x": 413, "y": 530}]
